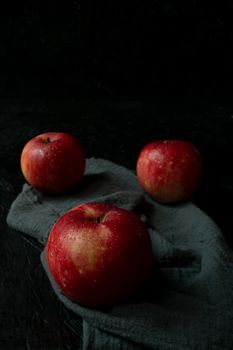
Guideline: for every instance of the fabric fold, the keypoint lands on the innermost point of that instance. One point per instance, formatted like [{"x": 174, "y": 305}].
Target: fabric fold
[{"x": 187, "y": 301}]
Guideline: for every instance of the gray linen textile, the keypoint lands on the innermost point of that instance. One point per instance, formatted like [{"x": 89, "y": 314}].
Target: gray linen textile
[{"x": 186, "y": 304}]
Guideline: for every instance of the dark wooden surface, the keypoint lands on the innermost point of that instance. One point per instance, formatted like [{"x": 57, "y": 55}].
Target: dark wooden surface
[{"x": 30, "y": 315}]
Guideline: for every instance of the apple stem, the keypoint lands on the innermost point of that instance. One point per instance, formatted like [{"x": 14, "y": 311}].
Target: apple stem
[{"x": 98, "y": 220}]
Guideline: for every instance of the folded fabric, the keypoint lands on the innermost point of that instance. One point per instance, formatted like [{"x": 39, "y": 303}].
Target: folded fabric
[{"x": 188, "y": 301}]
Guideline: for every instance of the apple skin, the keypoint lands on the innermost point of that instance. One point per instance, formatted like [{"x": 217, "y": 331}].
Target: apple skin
[
  {"x": 169, "y": 170},
  {"x": 53, "y": 162},
  {"x": 98, "y": 254}
]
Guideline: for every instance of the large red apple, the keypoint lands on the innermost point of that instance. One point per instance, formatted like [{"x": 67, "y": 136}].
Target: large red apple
[
  {"x": 53, "y": 162},
  {"x": 169, "y": 170},
  {"x": 98, "y": 254}
]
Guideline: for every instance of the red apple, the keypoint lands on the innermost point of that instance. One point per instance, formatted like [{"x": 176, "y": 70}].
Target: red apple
[
  {"x": 169, "y": 170},
  {"x": 98, "y": 254},
  {"x": 53, "y": 162}
]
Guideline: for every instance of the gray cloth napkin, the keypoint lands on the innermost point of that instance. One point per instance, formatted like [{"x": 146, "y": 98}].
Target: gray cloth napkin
[{"x": 187, "y": 303}]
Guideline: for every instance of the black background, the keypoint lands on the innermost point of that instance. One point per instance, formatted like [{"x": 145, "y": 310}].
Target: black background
[
  {"x": 177, "y": 49},
  {"x": 117, "y": 76}
]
